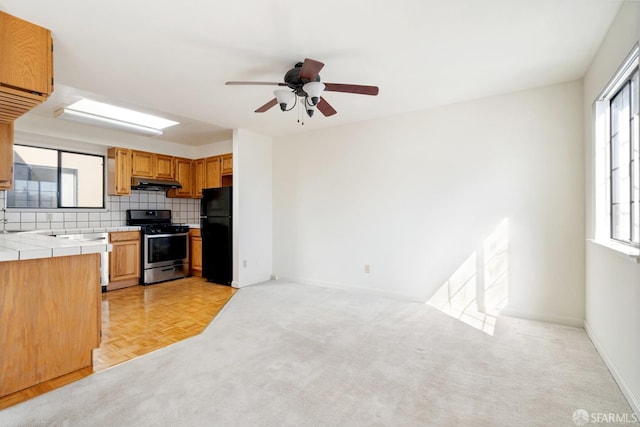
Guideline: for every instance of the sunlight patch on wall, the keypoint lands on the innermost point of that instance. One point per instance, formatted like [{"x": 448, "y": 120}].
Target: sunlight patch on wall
[{"x": 478, "y": 290}]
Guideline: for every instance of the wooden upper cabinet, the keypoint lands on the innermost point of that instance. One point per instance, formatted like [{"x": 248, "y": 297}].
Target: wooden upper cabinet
[
  {"x": 198, "y": 178},
  {"x": 6, "y": 155},
  {"x": 26, "y": 66},
  {"x": 212, "y": 169},
  {"x": 227, "y": 164},
  {"x": 26, "y": 58},
  {"x": 118, "y": 171},
  {"x": 218, "y": 172},
  {"x": 151, "y": 165},
  {"x": 184, "y": 175},
  {"x": 193, "y": 175},
  {"x": 142, "y": 164},
  {"x": 165, "y": 167}
]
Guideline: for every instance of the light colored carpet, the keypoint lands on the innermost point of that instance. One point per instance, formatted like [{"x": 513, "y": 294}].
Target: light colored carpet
[{"x": 282, "y": 354}]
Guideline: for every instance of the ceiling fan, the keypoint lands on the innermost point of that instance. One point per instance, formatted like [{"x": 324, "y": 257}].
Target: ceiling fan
[{"x": 304, "y": 83}]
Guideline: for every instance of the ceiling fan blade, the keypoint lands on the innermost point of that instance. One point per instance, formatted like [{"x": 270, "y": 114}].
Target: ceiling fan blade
[
  {"x": 255, "y": 83},
  {"x": 359, "y": 89},
  {"x": 310, "y": 69},
  {"x": 268, "y": 105},
  {"x": 326, "y": 108}
]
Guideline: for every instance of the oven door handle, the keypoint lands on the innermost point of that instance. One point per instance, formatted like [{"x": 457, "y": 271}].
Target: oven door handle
[
  {"x": 153, "y": 236},
  {"x": 168, "y": 269}
]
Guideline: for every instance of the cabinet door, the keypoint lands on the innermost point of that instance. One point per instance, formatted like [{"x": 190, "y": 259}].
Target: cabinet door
[
  {"x": 164, "y": 167},
  {"x": 6, "y": 155},
  {"x": 124, "y": 260},
  {"x": 184, "y": 177},
  {"x": 198, "y": 178},
  {"x": 227, "y": 164},
  {"x": 196, "y": 253},
  {"x": 142, "y": 164},
  {"x": 26, "y": 58},
  {"x": 212, "y": 172},
  {"x": 118, "y": 171}
]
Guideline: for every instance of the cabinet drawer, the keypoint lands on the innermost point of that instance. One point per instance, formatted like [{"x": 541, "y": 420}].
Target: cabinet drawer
[{"x": 122, "y": 236}]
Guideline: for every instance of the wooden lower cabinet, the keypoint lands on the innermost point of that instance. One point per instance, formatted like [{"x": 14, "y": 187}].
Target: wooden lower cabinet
[
  {"x": 195, "y": 257},
  {"x": 50, "y": 316},
  {"x": 124, "y": 259}
]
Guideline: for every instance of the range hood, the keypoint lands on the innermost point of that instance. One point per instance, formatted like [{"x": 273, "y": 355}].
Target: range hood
[{"x": 149, "y": 184}]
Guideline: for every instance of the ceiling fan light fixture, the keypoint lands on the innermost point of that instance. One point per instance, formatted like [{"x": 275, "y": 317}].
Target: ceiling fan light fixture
[
  {"x": 304, "y": 82},
  {"x": 311, "y": 108},
  {"x": 285, "y": 98},
  {"x": 314, "y": 90}
]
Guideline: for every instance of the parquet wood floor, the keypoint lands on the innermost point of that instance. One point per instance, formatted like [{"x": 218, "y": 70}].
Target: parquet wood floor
[{"x": 141, "y": 319}]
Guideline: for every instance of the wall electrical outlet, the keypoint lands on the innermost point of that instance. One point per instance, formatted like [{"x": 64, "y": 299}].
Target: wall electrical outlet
[
  {"x": 367, "y": 268},
  {"x": 244, "y": 263},
  {"x": 49, "y": 216}
]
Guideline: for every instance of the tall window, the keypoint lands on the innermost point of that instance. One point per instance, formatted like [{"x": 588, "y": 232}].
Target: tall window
[
  {"x": 624, "y": 162},
  {"x": 617, "y": 159},
  {"x": 48, "y": 179}
]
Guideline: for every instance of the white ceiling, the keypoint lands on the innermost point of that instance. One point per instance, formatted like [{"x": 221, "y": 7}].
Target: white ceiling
[{"x": 173, "y": 57}]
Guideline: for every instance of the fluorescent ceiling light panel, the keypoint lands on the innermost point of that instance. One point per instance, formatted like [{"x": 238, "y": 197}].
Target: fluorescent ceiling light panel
[
  {"x": 92, "y": 119},
  {"x": 120, "y": 114}
]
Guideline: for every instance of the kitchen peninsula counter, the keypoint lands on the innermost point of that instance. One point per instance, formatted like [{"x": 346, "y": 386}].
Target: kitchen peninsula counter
[
  {"x": 50, "y": 306},
  {"x": 15, "y": 246}
]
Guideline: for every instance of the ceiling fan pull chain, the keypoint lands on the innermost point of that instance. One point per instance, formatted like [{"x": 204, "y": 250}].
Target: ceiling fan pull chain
[{"x": 300, "y": 115}]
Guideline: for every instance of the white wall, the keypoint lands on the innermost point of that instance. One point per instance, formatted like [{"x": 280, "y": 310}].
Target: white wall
[
  {"x": 612, "y": 316},
  {"x": 252, "y": 208},
  {"x": 414, "y": 196}
]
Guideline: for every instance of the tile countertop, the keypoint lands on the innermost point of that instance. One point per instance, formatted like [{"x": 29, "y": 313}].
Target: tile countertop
[{"x": 15, "y": 246}]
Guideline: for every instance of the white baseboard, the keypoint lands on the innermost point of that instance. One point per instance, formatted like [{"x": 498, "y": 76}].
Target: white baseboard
[
  {"x": 567, "y": 321},
  {"x": 346, "y": 287},
  {"x": 626, "y": 390},
  {"x": 559, "y": 320}
]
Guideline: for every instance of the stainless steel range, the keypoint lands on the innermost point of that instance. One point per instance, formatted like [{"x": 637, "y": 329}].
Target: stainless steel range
[{"x": 164, "y": 246}]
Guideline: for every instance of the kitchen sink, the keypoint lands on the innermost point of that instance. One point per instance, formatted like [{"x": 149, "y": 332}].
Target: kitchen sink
[{"x": 86, "y": 237}]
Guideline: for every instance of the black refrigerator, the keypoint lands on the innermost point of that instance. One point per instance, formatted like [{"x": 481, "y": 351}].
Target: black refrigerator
[{"x": 217, "y": 235}]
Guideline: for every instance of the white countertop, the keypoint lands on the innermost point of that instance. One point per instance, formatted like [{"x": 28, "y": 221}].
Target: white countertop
[{"x": 43, "y": 243}]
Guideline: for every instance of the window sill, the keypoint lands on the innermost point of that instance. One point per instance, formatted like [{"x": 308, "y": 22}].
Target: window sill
[{"x": 627, "y": 252}]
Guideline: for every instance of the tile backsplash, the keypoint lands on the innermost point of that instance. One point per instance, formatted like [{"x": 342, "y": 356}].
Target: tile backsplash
[{"x": 185, "y": 211}]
